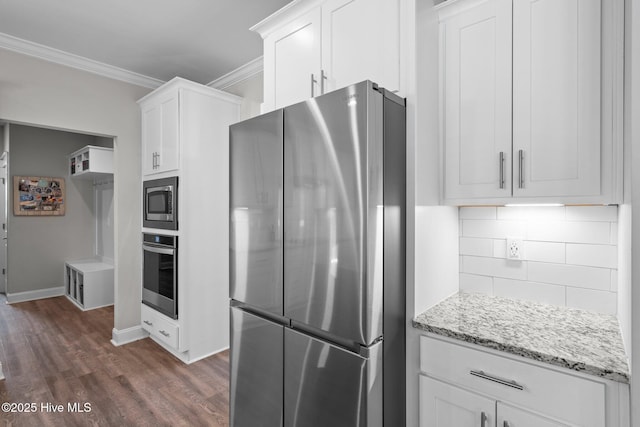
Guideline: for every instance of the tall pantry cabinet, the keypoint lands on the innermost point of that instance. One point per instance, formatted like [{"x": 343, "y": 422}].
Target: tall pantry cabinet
[{"x": 185, "y": 134}]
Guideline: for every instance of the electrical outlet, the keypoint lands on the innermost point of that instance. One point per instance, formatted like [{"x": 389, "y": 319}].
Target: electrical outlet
[{"x": 514, "y": 247}]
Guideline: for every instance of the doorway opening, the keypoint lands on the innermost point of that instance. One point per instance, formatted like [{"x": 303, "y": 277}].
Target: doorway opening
[{"x": 35, "y": 248}]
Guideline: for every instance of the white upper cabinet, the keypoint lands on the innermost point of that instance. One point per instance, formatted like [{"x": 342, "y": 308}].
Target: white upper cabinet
[
  {"x": 360, "y": 41},
  {"x": 529, "y": 94},
  {"x": 556, "y": 97},
  {"x": 476, "y": 82},
  {"x": 160, "y": 137},
  {"x": 292, "y": 61},
  {"x": 312, "y": 47}
]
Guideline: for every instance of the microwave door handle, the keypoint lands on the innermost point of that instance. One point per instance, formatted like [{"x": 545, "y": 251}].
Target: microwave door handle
[{"x": 162, "y": 251}]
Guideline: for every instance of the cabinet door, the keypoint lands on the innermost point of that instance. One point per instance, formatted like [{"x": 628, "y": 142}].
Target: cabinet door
[
  {"x": 360, "y": 41},
  {"x": 556, "y": 97},
  {"x": 508, "y": 416},
  {"x": 476, "y": 95},
  {"x": 292, "y": 60},
  {"x": 443, "y": 405},
  {"x": 151, "y": 131},
  {"x": 160, "y": 136}
]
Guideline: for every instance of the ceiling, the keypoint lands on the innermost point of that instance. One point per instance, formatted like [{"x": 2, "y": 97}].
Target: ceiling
[{"x": 199, "y": 40}]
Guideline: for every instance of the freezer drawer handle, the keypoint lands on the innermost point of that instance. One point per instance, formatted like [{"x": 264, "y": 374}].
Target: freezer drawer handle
[
  {"x": 508, "y": 383},
  {"x": 166, "y": 334}
]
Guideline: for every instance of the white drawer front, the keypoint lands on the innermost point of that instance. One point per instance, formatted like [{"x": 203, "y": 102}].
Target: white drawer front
[
  {"x": 576, "y": 400},
  {"x": 166, "y": 332},
  {"x": 148, "y": 319}
]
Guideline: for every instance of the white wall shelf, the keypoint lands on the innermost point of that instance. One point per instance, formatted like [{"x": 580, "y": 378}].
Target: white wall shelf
[{"x": 91, "y": 162}]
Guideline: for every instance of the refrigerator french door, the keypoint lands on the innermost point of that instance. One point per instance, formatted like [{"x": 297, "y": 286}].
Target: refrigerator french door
[{"x": 317, "y": 262}]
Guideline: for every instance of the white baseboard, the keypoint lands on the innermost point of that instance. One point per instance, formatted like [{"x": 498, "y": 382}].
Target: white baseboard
[
  {"x": 125, "y": 336},
  {"x": 34, "y": 295}
]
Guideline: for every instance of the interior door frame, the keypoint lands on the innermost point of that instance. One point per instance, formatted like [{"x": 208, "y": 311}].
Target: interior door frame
[{"x": 4, "y": 217}]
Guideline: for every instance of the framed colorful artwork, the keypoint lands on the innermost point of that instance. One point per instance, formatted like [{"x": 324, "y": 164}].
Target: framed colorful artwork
[{"x": 38, "y": 195}]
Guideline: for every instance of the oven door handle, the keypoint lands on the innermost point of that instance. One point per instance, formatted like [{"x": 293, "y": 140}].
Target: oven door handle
[{"x": 162, "y": 251}]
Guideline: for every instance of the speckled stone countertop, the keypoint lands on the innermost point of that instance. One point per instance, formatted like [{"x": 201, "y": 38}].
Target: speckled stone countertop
[{"x": 576, "y": 339}]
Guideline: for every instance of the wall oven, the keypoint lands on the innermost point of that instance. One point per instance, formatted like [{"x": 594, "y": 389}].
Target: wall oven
[
  {"x": 161, "y": 203},
  {"x": 160, "y": 273}
]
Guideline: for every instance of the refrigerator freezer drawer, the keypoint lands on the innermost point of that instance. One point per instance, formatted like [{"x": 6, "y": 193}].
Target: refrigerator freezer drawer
[
  {"x": 326, "y": 385},
  {"x": 256, "y": 371}
]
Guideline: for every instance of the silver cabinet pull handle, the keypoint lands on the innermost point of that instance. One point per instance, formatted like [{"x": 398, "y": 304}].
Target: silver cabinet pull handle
[
  {"x": 148, "y": 323},
  {"x": 520, "y": 169},
  {"x": 313, "y": 82},
  {"x": 481, "y": 374},
  {"x": 323, "y": 77},
  {"x": 501, "y": 169},
  {"x": 506, "y": 424},
  {"x": 483, "y": 419},
  {"x": 166, "y": 334}
]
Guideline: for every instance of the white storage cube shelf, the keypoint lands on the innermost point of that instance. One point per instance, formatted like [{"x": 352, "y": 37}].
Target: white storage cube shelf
[
  {"x": 89, "y": 283},
  {"x": 91, "y": 162}
]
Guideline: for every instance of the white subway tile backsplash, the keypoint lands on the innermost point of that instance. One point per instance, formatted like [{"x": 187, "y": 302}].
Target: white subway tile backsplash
[
  {"x": 478, "y": 213},
  {"x": 537, "y": 213},
  {"x": 592, "y": 255},
  {"x": 570, "y": 275},
  {"x": 592, "y": 213},
  {"x": 495, "y": 267},
  {"x": 478, "y": 247},
  {"x": 492, "y": 229},
  {"x": 530, "y": 291},
  {"x": 500, "y": 248},
  {"x": 587, "y": 299},
  {"x": 574, "y": 232},
  {"x": 569, "y": 256},
  {"x": 473, "y": 283},
  {"x": 544, "y": 252}
]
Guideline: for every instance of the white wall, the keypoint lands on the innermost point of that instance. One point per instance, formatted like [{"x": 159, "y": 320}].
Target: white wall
[
  {"x": 569, "y": 254},
  {"x": 632, "y": 145},
  {"x": 47, "y": 94},
  {"x": 251, "y": 90},
  {"x": 432, "y": 230}
]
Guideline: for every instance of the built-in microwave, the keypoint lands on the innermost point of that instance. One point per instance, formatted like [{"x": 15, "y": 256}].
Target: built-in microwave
[{"x": 161, "y": 203}]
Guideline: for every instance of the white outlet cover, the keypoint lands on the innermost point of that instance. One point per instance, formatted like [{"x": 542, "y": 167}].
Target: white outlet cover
[{"x": 515, "y": 247}]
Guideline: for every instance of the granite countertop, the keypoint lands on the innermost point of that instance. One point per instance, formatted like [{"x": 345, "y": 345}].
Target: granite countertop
[{"x": 575, "y": 339}]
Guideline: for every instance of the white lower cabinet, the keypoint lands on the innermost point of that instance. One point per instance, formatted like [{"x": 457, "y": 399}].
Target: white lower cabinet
[
  {"x": 161, "y": 327},
  {"x": 510, "y": 416},
  {"x": 467, "y": 385},
  {"x": 445, "y": 405}
]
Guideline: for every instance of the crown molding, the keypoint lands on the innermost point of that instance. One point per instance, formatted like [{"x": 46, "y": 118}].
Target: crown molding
[
  {"x": 75, "y": 61},
  {"x": 238, "y": 75},
  {"x": 283, "y": 15}
]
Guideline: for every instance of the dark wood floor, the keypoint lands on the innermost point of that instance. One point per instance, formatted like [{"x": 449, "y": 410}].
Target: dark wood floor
[{"x": 52, "y": 352}]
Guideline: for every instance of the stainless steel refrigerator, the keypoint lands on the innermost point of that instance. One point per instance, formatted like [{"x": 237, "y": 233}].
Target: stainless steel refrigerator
[{"x": 317, "y": 250}]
